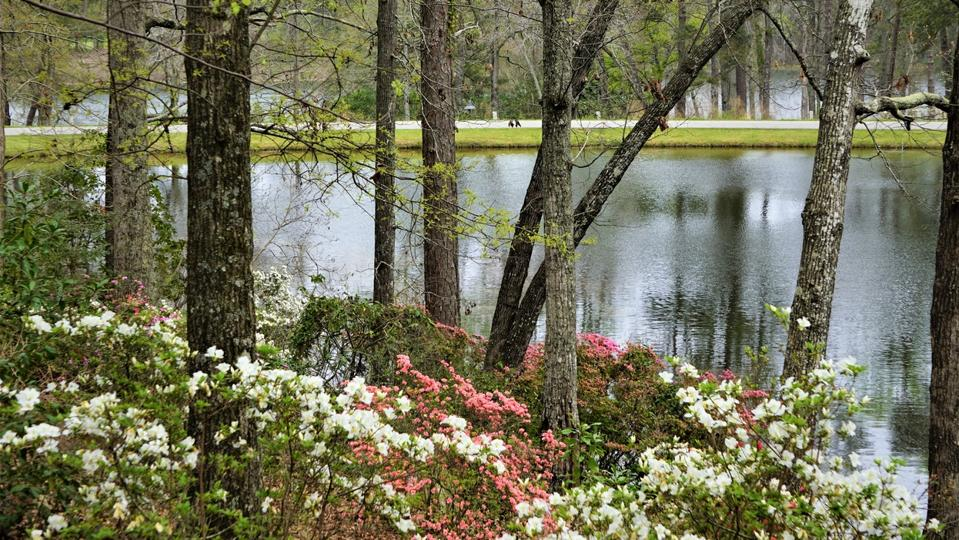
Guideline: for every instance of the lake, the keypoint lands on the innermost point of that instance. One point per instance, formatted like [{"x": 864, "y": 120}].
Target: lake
[{"x": 691, "y": 245}]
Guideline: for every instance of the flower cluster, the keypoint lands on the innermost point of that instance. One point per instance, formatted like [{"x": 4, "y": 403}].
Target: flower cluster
[{"x": 764, "y": 472}]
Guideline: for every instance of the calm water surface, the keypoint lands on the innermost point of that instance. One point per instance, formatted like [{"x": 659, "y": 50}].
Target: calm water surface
[{"x": 690, "y": 246}]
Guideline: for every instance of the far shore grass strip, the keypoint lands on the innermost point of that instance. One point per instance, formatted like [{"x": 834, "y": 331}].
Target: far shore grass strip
[{"x": 36, "y": 147}]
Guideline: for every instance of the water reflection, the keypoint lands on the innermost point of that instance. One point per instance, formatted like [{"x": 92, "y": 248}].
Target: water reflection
[{"x": 689, "y": 248}]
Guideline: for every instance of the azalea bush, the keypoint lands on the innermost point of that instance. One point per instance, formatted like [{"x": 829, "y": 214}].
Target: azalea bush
[
  {"x": 764, "y": 470},
  {"x": 105, "y": 451},
  {"x": 624, "y": 405}
]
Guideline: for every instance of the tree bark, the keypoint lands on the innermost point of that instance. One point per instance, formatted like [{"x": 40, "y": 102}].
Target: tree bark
[
  {"x": 44, "y": 93},
  {"x": 4, "y": 121},
  {"x": 219, "y": 286},
  {"x": 128, "y": 190},
  {"x": 681, "y": 48},
  {"x": 944, "y": 387},
  {"x": 822, "y": 215},
  {"x": 4, "y": 101},
  {"x": 494, "y": 83},
  {"x": 765, "y": 89},
  {"x": 523, "y": 323},
  {"x": 440, "y": 243},
  {"x": 383, "y": 179},
  {"x": 715, "y": 106},
  {"x": 516, "y": 268},
  {"x": 559, "y": 386}
]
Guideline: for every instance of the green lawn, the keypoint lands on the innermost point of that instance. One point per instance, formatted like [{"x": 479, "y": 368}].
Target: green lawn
[{"x": 31, "y": 147}]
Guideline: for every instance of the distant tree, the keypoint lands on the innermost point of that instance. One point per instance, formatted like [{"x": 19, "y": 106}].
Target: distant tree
[
  {"x": 219, "y": 289},
  {"x": 128, "y": 189},
  {"x": 440, "y": 197}
]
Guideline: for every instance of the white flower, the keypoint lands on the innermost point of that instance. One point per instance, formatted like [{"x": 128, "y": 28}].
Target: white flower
[
  {"x": 455, "y": 422},
  {"x": 667, "y": 377},
  {"x": 847, "y": 429},
  {"x": 56, "y": 522},
  {"x": 27, "y": 399},
  {"x": 405, "y": 525},
  {"x": 803, "y": 323},
  {"x": 265, "y": 506},
  {"x": 92, "y": 460},
  {"x": 404, "y": 404},
  {"x": 854, "y": 460},
  {"x": 39, "y": 324},
  {"x": 214, "y": 353},
  {"x": 534, "y": 525}
]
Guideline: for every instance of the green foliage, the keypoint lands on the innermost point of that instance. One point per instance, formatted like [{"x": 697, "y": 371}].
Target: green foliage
[
  {"x": 341, "y": 338},
  {"x": 53, "y": 242}
]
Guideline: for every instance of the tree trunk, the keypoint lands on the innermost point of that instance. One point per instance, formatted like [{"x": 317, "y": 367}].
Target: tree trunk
[
  {"x": 128, "y": 190},
  {"x": 44, "y": 93},
  {"x": 889, "y": 66},
  {"x": 4, "y": 102},
  {"x": 516, "y": 268},
  {"x": 559, "y": 385},
  {"x": 440, "y": 244},
  {"x": 765, "y": 89},
  {"x": 944, "y": 387},
  {"x": 742, "y": 90},
  {"x": 523, "y": 323},
  {"x": 822, "y": 215},
  {"x": 219, "y": 286},
  {"x": 383, "y": 179},
  {"x": 715, "y": 106},
  {"x": 494, "y": 83},
  {"x": 681, "y": 49}
]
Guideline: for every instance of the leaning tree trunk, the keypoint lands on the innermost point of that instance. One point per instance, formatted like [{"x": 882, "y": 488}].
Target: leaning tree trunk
[
  {"x": 822, "y": 215},
  {"x": 440, "y": 243},
  {"x": 128, "y": 190},
  {"x": 523, "y": 323},
  {"x": 944, "y": 387},
  {"x": 559, "y": 385},
  {"x": 531, "y": 213},
  {"x": 219, "y": 287},
  {"x": 384, "y": 242}
]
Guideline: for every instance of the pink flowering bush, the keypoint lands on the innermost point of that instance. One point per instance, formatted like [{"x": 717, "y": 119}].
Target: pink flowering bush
[
  {"x": 620, "y": 396},
  {"x": 104, "y": 451}
]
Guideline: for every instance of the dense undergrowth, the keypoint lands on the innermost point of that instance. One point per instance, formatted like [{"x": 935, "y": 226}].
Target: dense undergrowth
[{"x": 374, "y": 422}]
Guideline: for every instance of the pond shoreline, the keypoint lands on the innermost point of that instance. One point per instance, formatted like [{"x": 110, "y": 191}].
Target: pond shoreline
[{"x": 33, "y": 146}]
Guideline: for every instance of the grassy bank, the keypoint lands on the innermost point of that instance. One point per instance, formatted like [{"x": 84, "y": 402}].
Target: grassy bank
[{"x": 29, "y": 147}]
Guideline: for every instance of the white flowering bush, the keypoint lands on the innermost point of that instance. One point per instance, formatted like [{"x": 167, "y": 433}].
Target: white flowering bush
[
  {"x": 765, "y": 473},
  {"x": 278, "y": 306},
  {"x": 105, "y": 450}
]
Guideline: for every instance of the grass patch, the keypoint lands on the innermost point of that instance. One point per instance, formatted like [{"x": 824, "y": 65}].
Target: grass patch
[{"x": 34, "y": 147}]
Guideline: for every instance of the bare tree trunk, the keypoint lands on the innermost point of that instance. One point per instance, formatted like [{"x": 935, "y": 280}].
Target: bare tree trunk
[
  {"x": 44, "y": 93},
  {"x": 889, "y": 66},
  {"x": 765, "y": 89},
  {"x": 681, "y": 49},
  {"x": 383, "y": 179},
  {"x": 742, "y": 90},
  {"x": 494, "y": 83},
  {"x": 128, "y": 190},
  {"x": 219, "y": 286},
  {"x": 531, "y": 213},
  {"x": 559, "y": 386},
  {"x": 822, "y": 216},
  {"x": 944, "y": 387},
  {"x": 715, "y": 107},
  {"x": 4, "y": 101},
  {"x": 440, "y": 245},
  {"x": 523, "y": 323},
  {"x": 803, "y": 82}
]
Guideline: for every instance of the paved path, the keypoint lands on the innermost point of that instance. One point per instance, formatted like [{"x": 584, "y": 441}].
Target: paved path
[{"x": 934, "y": 125}]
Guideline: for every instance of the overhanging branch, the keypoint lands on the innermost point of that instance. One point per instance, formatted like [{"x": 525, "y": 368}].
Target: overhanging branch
[{"x": 895, "y": 105}]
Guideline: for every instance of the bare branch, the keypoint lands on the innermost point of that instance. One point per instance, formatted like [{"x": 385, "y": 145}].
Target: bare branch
[
  {"x": 894, "y": 106},
  {"x": 796, "y": 53}
]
